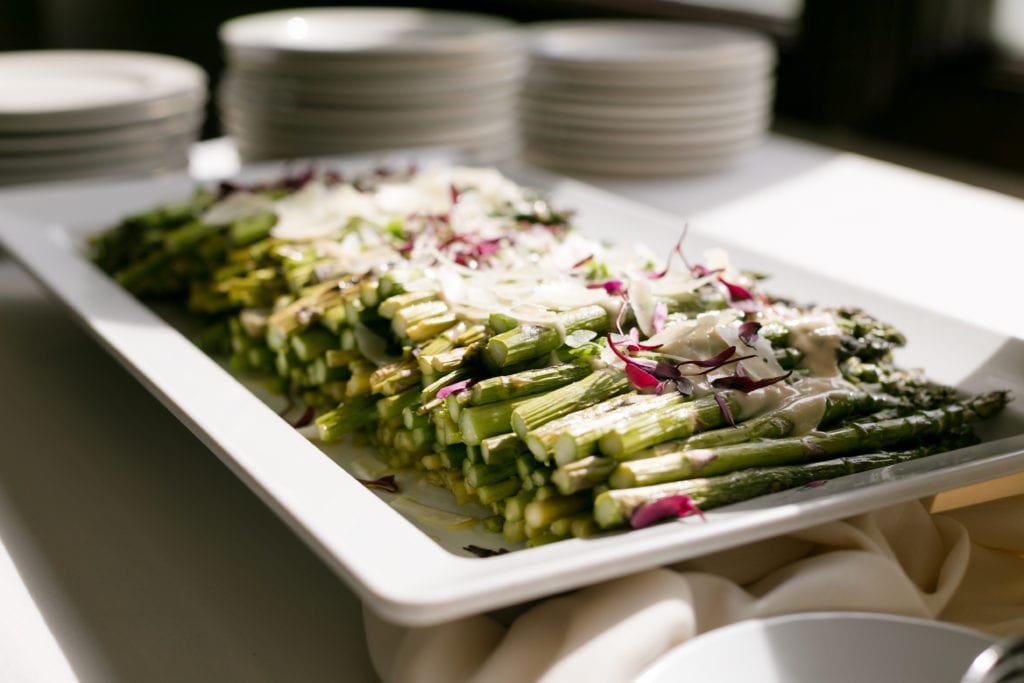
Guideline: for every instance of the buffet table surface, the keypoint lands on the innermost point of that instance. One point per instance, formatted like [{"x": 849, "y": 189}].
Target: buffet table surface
[{"x": 128, "y": 552}]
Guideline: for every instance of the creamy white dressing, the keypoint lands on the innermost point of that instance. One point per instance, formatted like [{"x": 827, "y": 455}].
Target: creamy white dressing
[
  {"x": 803, "y": 401},
  {"x": 816, "y": 336}
]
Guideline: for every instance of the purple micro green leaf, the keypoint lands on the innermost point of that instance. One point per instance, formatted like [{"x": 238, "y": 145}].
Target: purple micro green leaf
[
  {"x": 724, "y": 407},
  {"x": 748, "y": 332},
  {"x": 306, "y": 418},
  {"x": 816, "y": 483},
  {"x": 741, "y": 382},
  {"x": 669, "y": 507},
  {"x": 665, "y": 370},
  {"x": 682, "y": 385},
  {"x": 715, "y": 361},
  {"x": 455, "y": 194},
  {"x": 454, "y": 388},
  {"x": 385, "y": 483}
]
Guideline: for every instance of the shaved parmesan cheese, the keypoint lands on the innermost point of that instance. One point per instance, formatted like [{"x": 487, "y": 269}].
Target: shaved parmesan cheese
[
  {"x": 641, "y": 298},
  {"x": 236, "y": 206}
]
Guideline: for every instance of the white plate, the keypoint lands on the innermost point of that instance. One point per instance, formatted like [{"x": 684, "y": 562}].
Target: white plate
[
  {"x": 188, "y": 123},
  {"x": 438, "y": 115},
  {"x": 632, "y": 129},
  {"x": 640, "y": 112},
  {"x": 137, "y": 152},
  {"x": 573, "y": 92},
  {"x": 438, "y": 87},
  {"x": 392, "y": 72},
  {"x": 638, "y": 46},
  {"x": 175, "y": 160},
  {"x": 438, "y": 133},
  {"x": 399, "y": 570},
  {"x": 684, "y": 135},
  {"x": 50, "y": 90},
  {"x": 376, "y": 34},
  {"x": 838, "y": 647}
]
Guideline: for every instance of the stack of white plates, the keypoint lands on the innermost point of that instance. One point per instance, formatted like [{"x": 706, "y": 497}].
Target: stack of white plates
[
  {"x": 85, "y": 113},
  {"x": 644, "y": 97},
  {"x": 335, "y": 80}
]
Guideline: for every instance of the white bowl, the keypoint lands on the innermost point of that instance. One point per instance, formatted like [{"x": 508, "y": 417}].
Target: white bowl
[{"x": 837, "y": 647}]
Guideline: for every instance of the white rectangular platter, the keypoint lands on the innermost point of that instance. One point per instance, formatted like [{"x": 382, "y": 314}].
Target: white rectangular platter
[{"x": 415, "y": 574}]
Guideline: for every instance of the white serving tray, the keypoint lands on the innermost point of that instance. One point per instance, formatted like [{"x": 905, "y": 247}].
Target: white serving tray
[{"x": 421, "y": 576}]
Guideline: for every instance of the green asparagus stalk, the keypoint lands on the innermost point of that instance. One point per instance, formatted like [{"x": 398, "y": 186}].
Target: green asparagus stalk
[
  {"x": 614, "y": 508},
  {"x": 529, "y": 341},
  {"x": 491, "y": 419},
  {"x": 672, "y": 421},
  {"x": 528, "y": 382},
  {"x": 781, "y": 421},
  {"x": 576, "y": 435},
  {"x": 854, "y": 438},
  {"x": 592, "y": 389}
]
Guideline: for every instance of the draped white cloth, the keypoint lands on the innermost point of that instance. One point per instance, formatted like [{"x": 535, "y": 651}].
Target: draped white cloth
[{"x": 964, "y": 565}]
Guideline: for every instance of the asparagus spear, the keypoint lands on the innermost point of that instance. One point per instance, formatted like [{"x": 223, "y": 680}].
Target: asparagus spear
[
  {"x": 671, "y": 421},
  {"x": 854, "y": 438},
  {"x": 615, "y": 507},
  {"x": 529, "y": 341},
  {"x": 586, "y": 392}
]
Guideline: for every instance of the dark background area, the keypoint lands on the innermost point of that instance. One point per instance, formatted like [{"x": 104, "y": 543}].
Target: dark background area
[{"x": 917, "y": 73}]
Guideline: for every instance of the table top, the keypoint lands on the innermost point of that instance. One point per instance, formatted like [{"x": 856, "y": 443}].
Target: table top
[{"x": 115, "y": 566}]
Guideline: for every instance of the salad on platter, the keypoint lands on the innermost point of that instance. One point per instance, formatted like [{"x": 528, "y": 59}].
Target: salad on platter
[{"x": 555, "y": 385}]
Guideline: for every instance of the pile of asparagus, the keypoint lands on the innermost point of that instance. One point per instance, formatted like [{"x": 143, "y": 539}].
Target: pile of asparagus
[{"x": 629, "y": 402}]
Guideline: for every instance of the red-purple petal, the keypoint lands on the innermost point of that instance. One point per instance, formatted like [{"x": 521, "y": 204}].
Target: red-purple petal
[
  {"x": 640, "y": 378},
  {"x": 454, "y": 388},
  {"x": 669, "y": 507},
  {"x": 736, "y": 292},
  {"x": 611, "y": 287}
]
